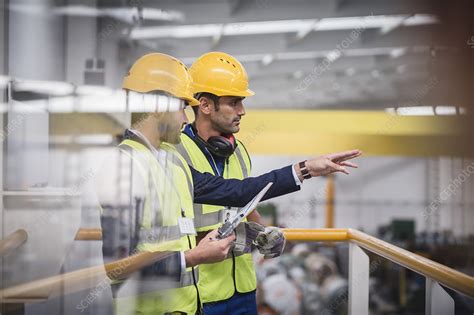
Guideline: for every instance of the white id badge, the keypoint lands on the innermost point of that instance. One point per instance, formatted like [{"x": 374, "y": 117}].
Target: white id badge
[
  {"x": 228, "y": 213},
  {"x": 186, "y": 226}
]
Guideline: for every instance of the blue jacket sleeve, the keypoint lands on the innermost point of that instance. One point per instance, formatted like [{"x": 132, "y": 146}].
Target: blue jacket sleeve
[{"x": 215, "y": 190}]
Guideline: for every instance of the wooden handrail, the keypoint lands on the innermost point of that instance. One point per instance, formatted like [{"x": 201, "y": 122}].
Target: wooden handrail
[
  {"x": 445, "y": 275},
  {"x": 90, "y": 277},
  {"x": 78, "y": 280},
  {"x": 13, "y": 242},
  {"x": 449, "y": 277},
  {"x": 84, "y": 234}
]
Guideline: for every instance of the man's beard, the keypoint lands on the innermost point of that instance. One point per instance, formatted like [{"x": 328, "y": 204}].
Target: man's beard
[
  {"x": 169, "y": 134},
  {"x": 227, "y": 131},
  {"x": 171, "y": 138}
]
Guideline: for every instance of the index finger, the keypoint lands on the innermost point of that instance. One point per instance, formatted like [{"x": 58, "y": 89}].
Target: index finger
[
  {"x": 212, "y": 234},
  {"x": 229, "y": 239},
  {"x": 342, "y": 156}
]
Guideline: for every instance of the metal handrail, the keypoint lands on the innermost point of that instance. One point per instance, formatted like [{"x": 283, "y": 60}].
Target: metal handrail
[
  {"x": 13, "y": 242},
  {"x": 449, "y": 277}
]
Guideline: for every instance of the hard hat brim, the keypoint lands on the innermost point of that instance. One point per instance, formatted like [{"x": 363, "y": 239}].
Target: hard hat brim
[
  {"x": 248, "y": 93},
  {"x": 192, "y": 101}
]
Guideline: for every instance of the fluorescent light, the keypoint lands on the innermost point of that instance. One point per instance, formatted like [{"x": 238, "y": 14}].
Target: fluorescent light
[
  {"x": 94, "y": 90},
  {"x": 304, "y": 31},
  {"x": 424, "y": 110},
  {"x": 213, "y": 30},
  {"x": 392, "y": 24},
  {"x": 150, "y": 103},
  {"x": 397, "y": 52},
  {"x": 29, "y": 8},
  {"x": 43, "y": 87},
  {"x": 266, "y": 27},
  {"x": 77, "y": 10},
  {"x": 115, "y": 103},
  {"x": 411, "y": 111},
  {"x": 445, "y": 110},
  {"x": 333, "y": 55},
  {"x": 182, "y": 31},
  {"x": 300, "y": 27},
  {"x": 376, "y": 51},
  {"x": 127, "y": 15},
  {"x": 302, "y": 55},
  {"x": 267, "y": 59},
  {"x": 162, "y": 15},
  {"x": 63, "y": 104},
  {"x": 391, "y": 110},
  {"x": 95, "y": 139},
  {"x": 416, "y": 111},
  {"x": 29, "y": 107},
  {"x": 358, "y": 22},
  {"x": 420, "y": 19}
]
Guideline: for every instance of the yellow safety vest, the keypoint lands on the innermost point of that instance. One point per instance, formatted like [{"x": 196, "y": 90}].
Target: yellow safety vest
[
  {"x": 171, "y": 200},
  {"x": 219, "y": 281}
]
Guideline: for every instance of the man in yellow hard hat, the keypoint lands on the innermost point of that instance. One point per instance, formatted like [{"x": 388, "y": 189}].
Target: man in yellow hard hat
[
  {"x": 158, "y": 88},
  {"x": 209, "y": 145},
  {"x": 158, "y": 210}
]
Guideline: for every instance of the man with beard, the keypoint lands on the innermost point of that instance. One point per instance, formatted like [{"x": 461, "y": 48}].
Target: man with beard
[
  {"x": 209, "y": 145},
  {"x": 164, "y": 188}
]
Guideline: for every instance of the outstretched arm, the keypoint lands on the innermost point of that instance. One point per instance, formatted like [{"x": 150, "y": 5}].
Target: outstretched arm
[{"x": 215, "y": 190}]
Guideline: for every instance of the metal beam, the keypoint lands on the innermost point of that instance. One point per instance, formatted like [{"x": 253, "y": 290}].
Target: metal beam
[{"x": 286, "y": 132}]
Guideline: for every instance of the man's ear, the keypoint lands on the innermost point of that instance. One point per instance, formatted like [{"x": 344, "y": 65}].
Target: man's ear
[{"x": 205, "y": 105}]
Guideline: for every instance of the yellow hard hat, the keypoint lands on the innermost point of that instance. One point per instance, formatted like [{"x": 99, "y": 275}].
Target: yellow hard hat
[
  {"x": 160, "y": 72},
  {"x": 220, "y": 74}
]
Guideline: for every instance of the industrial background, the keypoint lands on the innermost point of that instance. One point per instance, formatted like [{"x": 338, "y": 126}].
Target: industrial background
[{"x": 392, "y": 78}]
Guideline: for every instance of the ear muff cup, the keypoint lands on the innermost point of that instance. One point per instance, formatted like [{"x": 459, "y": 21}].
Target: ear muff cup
[
  {"x": 221, "y": 146},
  {"x": 218, "y": 145}
]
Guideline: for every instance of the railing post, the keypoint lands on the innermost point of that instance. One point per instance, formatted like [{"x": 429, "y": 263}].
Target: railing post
[
  {"x": 438, "y": 301},
  {"x": 358, "y": 281}
]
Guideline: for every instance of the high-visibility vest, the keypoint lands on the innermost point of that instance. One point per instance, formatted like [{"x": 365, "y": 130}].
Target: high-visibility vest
[
  {"x": 173, "y": 186},
  {"x": 219, "y": 281}
]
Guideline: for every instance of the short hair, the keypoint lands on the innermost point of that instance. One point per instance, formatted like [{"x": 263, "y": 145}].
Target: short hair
[{"x": 211, "y": 96}]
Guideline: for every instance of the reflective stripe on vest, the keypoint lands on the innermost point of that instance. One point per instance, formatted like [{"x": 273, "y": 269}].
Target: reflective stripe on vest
[
  {"x": 216, "y": 282},
  {"x": 240, "y": 158},
  {"x": 160, "y": 234},
  {"x": 166, "y": 237},
  {"x": 186, "y": 279}
]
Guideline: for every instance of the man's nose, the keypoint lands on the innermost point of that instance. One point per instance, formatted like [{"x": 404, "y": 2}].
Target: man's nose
[
  {"x": 241, "y": 109},
  {"x": 184, "y": 118}
]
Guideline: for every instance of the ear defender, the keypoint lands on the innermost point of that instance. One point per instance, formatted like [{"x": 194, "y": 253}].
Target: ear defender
[{"x": 222, "y": 146}]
